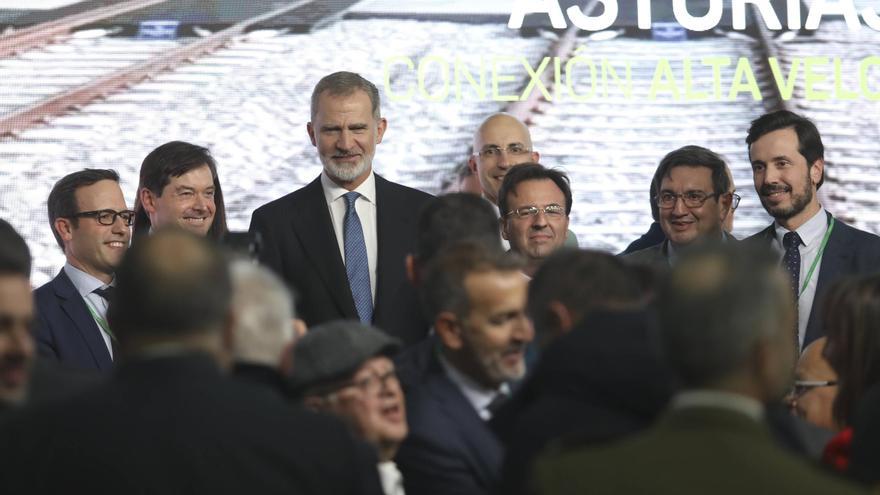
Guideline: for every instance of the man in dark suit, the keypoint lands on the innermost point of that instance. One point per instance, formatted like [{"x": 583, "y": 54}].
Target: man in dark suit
[
  {"x": 724, "y": 318},
  {"x": 169, "y": 421},
  {"x": 693, "y": 200},
  {"x": 788, "y": 165},
  {"x": 455, "y": 382},
  {"x": 340, "y": 242},
  {"x": 90, "y": 221}
]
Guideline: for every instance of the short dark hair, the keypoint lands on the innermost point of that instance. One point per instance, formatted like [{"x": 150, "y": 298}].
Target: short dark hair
[
  {"x": 15, "y": 257},
  {"x": 455, "y": 217},
  {"x": 62, "y": 199},
  {"x": 345, "y": 83},
  {"x": 443, "y": 288},
  {"x": 693, "y": 156},
  {"x": 852, "y": 313},
  {"x": 174, "y": 159},
  {"x": 582, "y": 280},
  {"x": 809, "y": 140},
  {"x": 171, "y": 284},
  {"x": 532, "y": 171},
  {"x": 718, "y": 302}
]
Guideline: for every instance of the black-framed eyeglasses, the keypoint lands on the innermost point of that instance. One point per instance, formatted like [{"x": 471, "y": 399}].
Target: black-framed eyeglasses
[
  {"x": 803, "y": 386},
  {"x": 552, "y": 211},
  {"x": 692, "y": 199},
  {"x": 514, "y": 149},
  {"x": 107, "y": 217},
  {"x": 734, "y": 201},
  {"x": 373, "y": 383}
]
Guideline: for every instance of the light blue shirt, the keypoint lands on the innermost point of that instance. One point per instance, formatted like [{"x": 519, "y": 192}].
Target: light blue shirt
[{"x": 86, "y": 284}]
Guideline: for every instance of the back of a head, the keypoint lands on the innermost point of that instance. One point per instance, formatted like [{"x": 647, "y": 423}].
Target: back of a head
[
  {"x": 582, "y": 281},
  {"x": 852, "y": 323},
  {"x": 263, "y": 314},
  {"x": 170, "y": 286},
  {"x": 717, "y": 305},
  {"x": 455, "y": 217},
  {"x": 15, "y": 257}
]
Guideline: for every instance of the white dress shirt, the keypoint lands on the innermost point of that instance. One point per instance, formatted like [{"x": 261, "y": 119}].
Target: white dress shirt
[
  {"x": 86, "y": 284},
  {"x": 392, "y": 480},
  {"x": 365, "y": 207},
  {"x": 811, "y": 234},
  {"x": 479, "y": 396}
]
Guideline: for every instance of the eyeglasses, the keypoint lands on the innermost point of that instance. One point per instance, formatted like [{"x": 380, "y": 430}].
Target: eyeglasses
[
  {"x": 803, "y": 386},
  {"x": 107, "y": 217},
  {"x": 552, "y": 211},
  {"x": 374, "y": 383},
  {"x": 734, "y": 201},
  {"x": 515, "y": 149},
  {"x": 692, "y": 199}
]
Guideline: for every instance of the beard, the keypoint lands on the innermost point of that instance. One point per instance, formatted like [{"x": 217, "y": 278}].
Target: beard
[
  {"x": 491, "y": 361},
  {"x": 345, "y": 173},
  {"x": 799, "y": 201}
]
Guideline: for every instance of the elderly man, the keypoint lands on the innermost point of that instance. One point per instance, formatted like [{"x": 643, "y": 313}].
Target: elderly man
[
  {"x": 90, "y": 221},
  {"x": 178, "y": 420},
  {"x": 693, "y": 200},
  {"x": 179, "y": 186},
  {"x": 340, "y": 241},
  {"x": 344, "y": 368},
  {"x": 476, "y": 297},
  {"x": 725, "y": 316},
  {"x": 535, "y": 203},
  {"x": 788, "y": 167}
]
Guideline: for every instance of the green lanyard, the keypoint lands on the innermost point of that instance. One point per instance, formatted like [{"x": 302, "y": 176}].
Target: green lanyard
[
  {"x": 818, "y": 257},
  {"x": 101, "y": 321}
]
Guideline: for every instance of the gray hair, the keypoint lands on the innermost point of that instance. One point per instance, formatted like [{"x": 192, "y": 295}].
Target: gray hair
[
  {"x": 263, "y": 309},
  {"x": 344, "y": 83},
  {"x": 715, "y": 306}
]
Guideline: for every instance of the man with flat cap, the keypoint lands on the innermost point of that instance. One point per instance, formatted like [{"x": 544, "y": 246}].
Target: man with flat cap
[{"x": 344, "y": 368}]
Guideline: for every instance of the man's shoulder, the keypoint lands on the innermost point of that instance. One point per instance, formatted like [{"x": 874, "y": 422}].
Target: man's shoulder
[
  {"x": 408, "y": 194},
  {"x": 46, "y": 293},
  {"x": 857, "y": 236},
  {"x": 288, "y": 201},
  {"x": 762, "y": 236},
  {"x": 648, "y": 255}
]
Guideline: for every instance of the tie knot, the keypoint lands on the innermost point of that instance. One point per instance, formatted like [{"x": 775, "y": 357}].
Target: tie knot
[
  {"x": 791, "y": 240},
  {"x": 105, "y": 292},
  {"x": 351, "y": 197}
]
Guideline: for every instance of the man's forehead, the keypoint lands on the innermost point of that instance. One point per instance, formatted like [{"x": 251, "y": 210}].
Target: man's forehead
[
  {"x": 687, "y": 173},
  {"x": 502, "y": 131},
  {"x": 541, "y": 190}
]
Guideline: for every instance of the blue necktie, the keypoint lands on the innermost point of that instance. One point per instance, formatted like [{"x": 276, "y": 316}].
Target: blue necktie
[
  {"x": 791, "y": 262},
  {"x": 357, "y": 265}
]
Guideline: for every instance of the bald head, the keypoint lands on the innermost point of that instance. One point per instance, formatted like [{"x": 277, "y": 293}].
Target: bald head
[
  {"x": 169, "y": 286},
  {"x": 500, "y": 142}
]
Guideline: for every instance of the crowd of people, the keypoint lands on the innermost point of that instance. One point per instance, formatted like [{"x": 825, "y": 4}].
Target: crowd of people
[{"x": 367, "y": 337}]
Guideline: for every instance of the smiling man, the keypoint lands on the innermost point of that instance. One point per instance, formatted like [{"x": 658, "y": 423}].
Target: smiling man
[
  {"x": 693, "y": 199},
  {"x": 500, "y": 142},
  {"x": 788, "y": 167},
  {"x": 90, "y": 221},
  {"x": 179, "y": 186},
  {"x": 340, "y": 242},
  {"x": 535, "y": 203}
]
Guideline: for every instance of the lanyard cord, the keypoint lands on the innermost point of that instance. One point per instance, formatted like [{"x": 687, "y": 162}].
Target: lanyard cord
[
  {"x": 818, "y": 257},
  {"x": 100, "y": 320}
]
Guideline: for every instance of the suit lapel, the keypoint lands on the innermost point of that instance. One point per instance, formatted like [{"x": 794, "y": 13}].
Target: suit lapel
[
  {"x": 393, "y": 220},
  {"x": 314, "y": 229},
  {"x": 74, "y": 307},
  {"x": 835, "y": 260},
  {"x": 484, "y": 449}
]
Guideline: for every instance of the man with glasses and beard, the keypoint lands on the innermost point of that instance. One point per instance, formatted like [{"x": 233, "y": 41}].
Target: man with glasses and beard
[
  {"x": 788, "y": 167},
  {"x": 369, "y": 221}
]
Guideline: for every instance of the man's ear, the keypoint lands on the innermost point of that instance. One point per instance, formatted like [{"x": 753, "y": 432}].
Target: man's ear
[
  {"x": 504, "y": 233},
  {"x": 412, "y": 272},
  {"x": 725, "y": 201},
  {"x": 381, "y": 126},
  {"x": 449, "y": 330},
  {"x": 314, "y": 403},
  {"x": 311, "y": 131},
  {"x": 536, "y": 157},
  {"x": 64, "y": 227},
  {"x": 817, "y": 170},
  {"x": 564, "y": 318},
  {"x": 472, "y": 164},
  {"x": 148, "y": 200}
]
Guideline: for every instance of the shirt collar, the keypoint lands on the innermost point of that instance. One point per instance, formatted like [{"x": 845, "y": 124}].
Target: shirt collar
[
  {"x": 333, "y": 191},
  {"x": 480, "y": 397},
  {"x": 811, "y": 231},
  {"x": 721, "y": 400},
  {"x": 85, "y": 284}
]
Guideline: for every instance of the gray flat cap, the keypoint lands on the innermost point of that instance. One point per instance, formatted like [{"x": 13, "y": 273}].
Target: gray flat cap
[{"x": 334, "y": 350}]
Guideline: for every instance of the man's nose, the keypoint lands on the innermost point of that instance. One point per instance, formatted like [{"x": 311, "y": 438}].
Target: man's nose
[
  {"x": 679, "y": 208},
  {"x": 345, "y": 141}
]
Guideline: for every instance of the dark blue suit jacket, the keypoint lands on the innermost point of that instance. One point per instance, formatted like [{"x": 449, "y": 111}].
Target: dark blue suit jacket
[
  {"x": 849, "y": 251},
  {"x": 450, "y": 449},
  {"x": 65, "y": 330}
]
